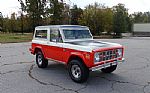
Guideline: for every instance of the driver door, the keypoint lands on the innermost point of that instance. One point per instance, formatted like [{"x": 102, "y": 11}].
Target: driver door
[{"x": 55, "y": 45}]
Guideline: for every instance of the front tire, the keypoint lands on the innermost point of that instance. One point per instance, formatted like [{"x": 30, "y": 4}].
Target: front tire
[
  {"x": 109, "y": 69},
  {"x": 78, "y": 71},
  {"x": 40, "y": 60}
]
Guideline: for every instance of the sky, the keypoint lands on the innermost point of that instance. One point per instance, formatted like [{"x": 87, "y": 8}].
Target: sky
[{"x": 9, "y": 6}]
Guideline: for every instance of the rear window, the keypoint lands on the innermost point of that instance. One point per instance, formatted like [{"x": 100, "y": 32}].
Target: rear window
[{"x": 41, "y": 34}]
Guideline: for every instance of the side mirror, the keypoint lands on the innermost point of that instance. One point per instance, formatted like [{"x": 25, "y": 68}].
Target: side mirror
[
  {"x": 59, "y": 39},
  {"x": 54, "y": 40}
]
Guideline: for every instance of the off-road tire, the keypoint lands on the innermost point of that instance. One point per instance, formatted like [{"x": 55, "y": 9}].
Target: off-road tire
[
  {"x": 40, "y": 60},
  {"x": 83, "y": 70}
]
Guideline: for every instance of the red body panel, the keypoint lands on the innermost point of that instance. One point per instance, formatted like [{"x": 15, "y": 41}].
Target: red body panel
[
  {"x": 63, "y": 54},
  {"x": 52, "y": 52}
]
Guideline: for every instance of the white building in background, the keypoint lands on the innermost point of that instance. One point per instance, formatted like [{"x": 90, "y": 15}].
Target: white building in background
[{"x": 141, "y": 29}]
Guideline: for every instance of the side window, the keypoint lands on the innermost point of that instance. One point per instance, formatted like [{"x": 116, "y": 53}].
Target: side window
[
  {"x": 55, "y": 35},
  {"x": 41, "y": 34}
]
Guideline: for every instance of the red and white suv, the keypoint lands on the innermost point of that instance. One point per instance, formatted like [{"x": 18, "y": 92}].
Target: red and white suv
[{"x": 74, "y": 46}]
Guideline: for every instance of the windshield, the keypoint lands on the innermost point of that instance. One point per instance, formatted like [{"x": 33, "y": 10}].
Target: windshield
[{"x": 76, "y": 34}]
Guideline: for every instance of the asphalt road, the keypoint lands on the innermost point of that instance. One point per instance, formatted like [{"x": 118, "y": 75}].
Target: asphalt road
[{"x": 19, "y": 74}]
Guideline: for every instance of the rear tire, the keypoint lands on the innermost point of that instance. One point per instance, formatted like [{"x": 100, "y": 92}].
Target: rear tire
[
  {"x": 78, "y": 71},
  {"x": 109, "y": 69},
  {"x": 40, "y": 60}
]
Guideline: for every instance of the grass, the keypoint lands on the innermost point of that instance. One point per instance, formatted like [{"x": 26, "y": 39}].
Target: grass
[
  {"x": 27, "y": 37},
  {"x": 15, "y": 37}
]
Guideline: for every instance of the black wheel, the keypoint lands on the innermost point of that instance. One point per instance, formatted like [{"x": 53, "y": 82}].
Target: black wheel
[
  {"x": 78, "y": 71},
  {"x": 40, "y": 60},
  {"x": 109, "y": 69}
]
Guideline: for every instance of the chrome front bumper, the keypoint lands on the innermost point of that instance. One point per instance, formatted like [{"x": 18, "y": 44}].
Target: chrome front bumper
[{"x": 99, "y": 67}]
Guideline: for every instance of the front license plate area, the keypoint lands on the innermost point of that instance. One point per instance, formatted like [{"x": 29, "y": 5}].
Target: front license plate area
[{"x": 105, "y": 65}]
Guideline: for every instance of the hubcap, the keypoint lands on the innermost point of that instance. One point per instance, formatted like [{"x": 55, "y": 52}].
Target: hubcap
[
  {"x": 39, "y": 59},
  {"x": 76, "y": 71}
]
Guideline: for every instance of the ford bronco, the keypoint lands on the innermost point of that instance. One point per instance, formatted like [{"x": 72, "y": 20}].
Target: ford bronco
[{"x": 74, "y": 46}]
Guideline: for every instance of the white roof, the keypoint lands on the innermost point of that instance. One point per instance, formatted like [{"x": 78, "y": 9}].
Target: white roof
[{"x": 62, "y": 26}]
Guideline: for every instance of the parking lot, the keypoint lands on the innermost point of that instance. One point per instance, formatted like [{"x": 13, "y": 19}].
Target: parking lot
[{"x": 19, "y": 73}]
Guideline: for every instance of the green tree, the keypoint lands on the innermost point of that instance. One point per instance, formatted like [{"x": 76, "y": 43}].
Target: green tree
[
  {"x": 1, "y": 21},
  {"x": 92, "y": 18},
  {"x": 66, "y": 15},
  {"x": 56, "y": 11},
  {"x": 98, "y": 17},
  {"x": 119, "y": 19},
  {"x": 140, "y": 17},
  {"x": 36, "y": 11},
  {"x": 148, "y": 14},
  {"x": 129, "y": 23},
  {"x": 107, "y": 20},
  {"x": 12, "y": 22},
  {"x": 23, "y": 8},
  {"x": 75, "y": 15},
  {"x": 26, "y": 23}
]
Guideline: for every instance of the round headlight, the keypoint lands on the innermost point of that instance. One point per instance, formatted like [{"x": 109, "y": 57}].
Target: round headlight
[
  {"x": 119, "y": 52},
  {"x": 97, "y": 57}
]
